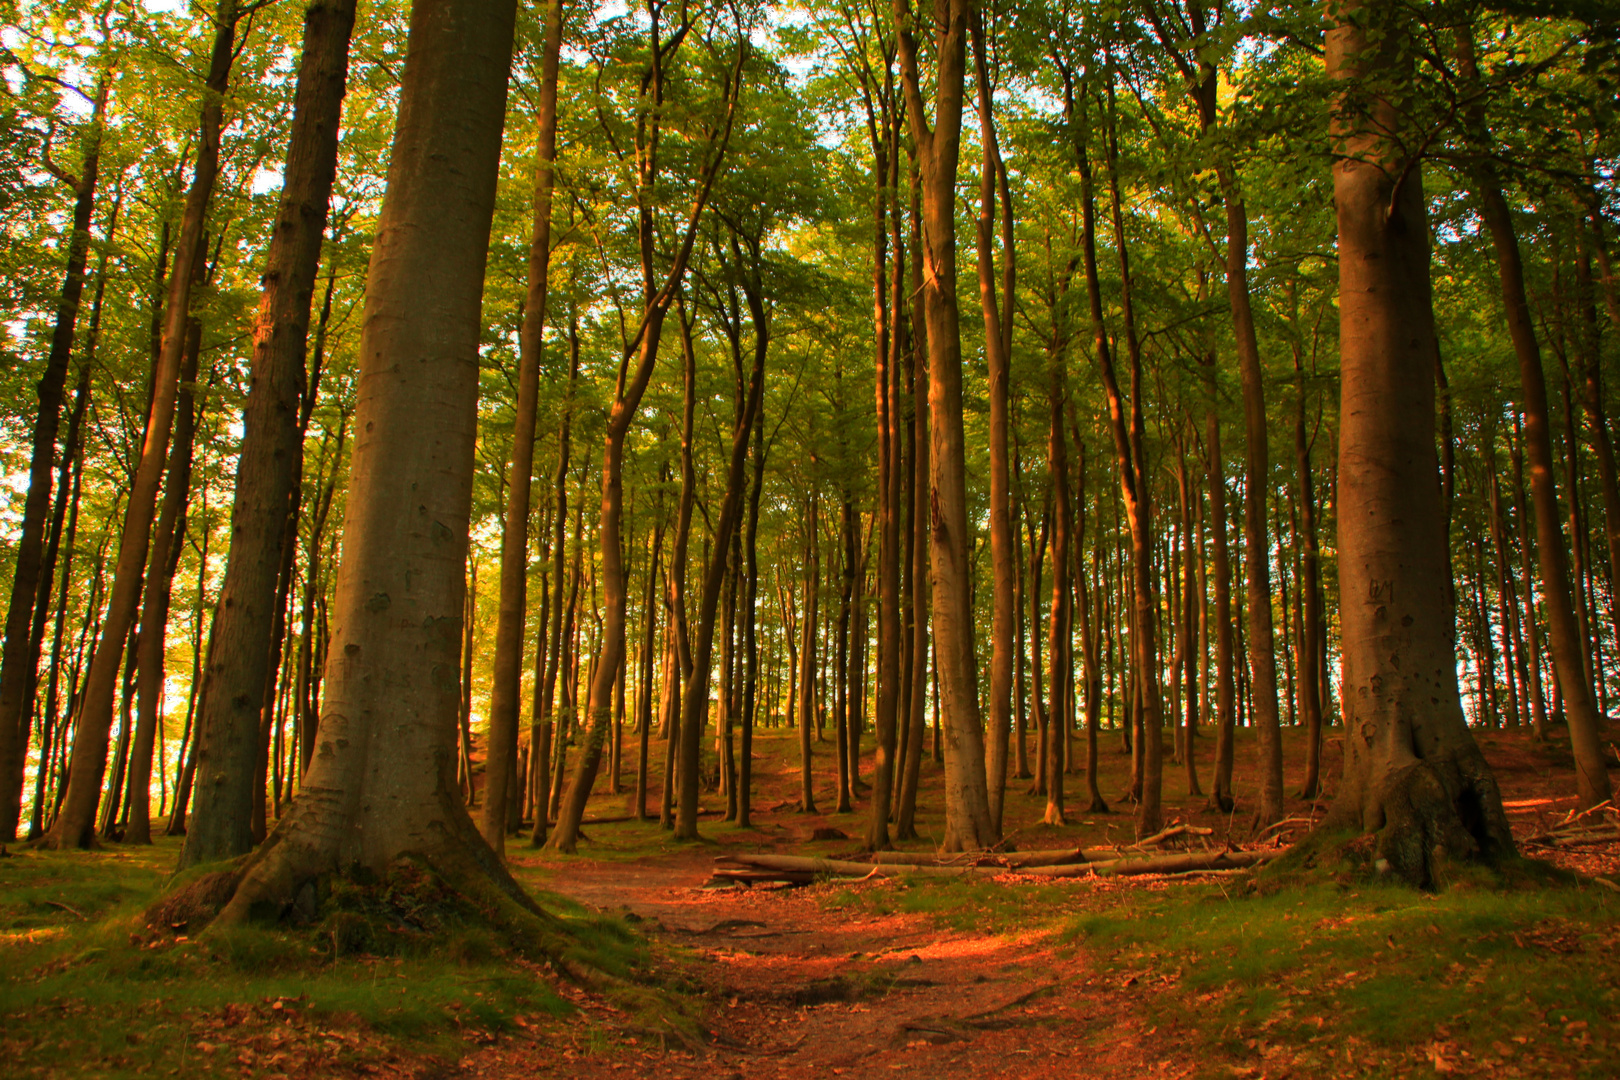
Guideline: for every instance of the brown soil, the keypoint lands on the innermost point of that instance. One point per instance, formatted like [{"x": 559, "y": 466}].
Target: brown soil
[
  {"x": 801, "y": 989},
  {"x": 798, "y": 986}
]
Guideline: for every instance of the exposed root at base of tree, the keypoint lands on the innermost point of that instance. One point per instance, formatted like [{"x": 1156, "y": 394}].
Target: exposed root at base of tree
[{"x": 1425, "y": 815}]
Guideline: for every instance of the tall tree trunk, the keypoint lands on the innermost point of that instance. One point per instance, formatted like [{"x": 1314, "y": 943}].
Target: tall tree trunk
[
  {"x": 1580, "y": 710},
  {"x": 506, "y": 676},
  {"x": 1004, "y": 553},
  {"x": 19, "y": 657},
  {"x": 681, "y": 654},
  {"x": 886, "y": 322},
  {"x": 1256, "y": 483},
  {"x": 649, "y": 638},
  {"x": 271, "y": 459},
  {"x": 1191, "y": 595},
  {"x": 542, "y": 730},
  {"x": 1038, "y": 541},
  {"x": 841, "y": 678},
  {"x": 1412, "y": 774},
  {"x": 1532, "y": 628},
  {"x": 1508, "y": 608},
  {"x": 1057, "y": 728},
  {"x": 968, "y": 822},
  {"x": 807, "y": 658},
  {"x": 745, "y": 771},
  {"x": 70, "y": 478},
  {"x": 916, "y": 372},
  {"x": 382, "y": 781},
  {"x": 1310, "y": 698},
  {"x": 315, "y": 580},
  {"x": 167, "y": 541},
  {"x": 1220, "y": 796},
  {"x": 632, "y": 384},
  {"x": 77, "y": 819}
]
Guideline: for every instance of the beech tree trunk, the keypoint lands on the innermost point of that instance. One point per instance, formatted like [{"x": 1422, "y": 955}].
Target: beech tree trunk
[
  {"x": 1311, "y": 630},
  {"x": 69, "y": 486},
  {"x": 917, "y": 535},
  {"x": 507, "y": 673},
  {"x": 1256, "y": 482},
  {"x": 271, "y": 460},
  {"x": 998, "y": 354},
  {"x": 968, "y": 822},
  {"x": 745, "y": 767},
  {"x": 383, "y": 778},
  {"x": 550, "y": 659},
  {"x": 1059, "y": 647},
  {"x": 1220, "y": 796},
  {"x": 886, "y": 321},
  {"x": 696, "y": 698},
  {"x": 75, "y": 823},
  {"x": 1412, "y": 772},
  {"x": 19, "y": 657},
  {"x": 807, "y": 658},
  {"x": 649, "y": 638},
  {"x": 1580, "y": 709},
  {"x": 167, "y": 541}
]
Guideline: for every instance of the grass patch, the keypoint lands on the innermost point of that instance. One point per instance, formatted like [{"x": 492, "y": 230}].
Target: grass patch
[
  {"x": 1368, "y": 977},
  {"x": 390, "y": 972}
]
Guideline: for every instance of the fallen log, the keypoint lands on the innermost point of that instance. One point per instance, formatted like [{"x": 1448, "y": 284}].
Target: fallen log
[
  {"x": 1568, "y": 837},
  {"x": 800, "y": 870},
  {"x": 751, "y": 877},
  {"x": 1053, "y": 857},
  {"x": 1171, "y": 833},
  {"x": 800, "y": 864},
  {"x": 1162, "y": 864}
]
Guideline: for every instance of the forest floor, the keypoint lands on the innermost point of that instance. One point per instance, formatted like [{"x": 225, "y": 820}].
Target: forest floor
[{"x": 1245, "y": 975}]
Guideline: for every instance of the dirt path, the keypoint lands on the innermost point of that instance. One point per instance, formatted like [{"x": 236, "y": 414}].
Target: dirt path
[{"x": 799, "y": 989}]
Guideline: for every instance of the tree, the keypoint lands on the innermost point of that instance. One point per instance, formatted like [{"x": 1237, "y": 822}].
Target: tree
[
  {"x": 631, "y": 385},
  {"x": 77, "y": 819},
  {"x": 969, "y": 826},
  {"x": 1413, "y": 774},
  {"x": 271, "y": 460},
  {"x": 382, "y": 782},
  {"x": 19, "y": 656},
  {"x": 501, "y": 766}
]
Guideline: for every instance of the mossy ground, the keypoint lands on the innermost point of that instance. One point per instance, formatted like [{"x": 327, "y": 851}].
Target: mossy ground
[{"x": 394, "y": 970}]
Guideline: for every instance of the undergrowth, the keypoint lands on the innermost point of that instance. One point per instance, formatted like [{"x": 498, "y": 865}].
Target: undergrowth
[{"x": 394, "y": 967}]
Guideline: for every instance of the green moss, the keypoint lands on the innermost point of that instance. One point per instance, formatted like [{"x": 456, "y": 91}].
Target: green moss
[
  {"x": 1324, "y": 961},
  {"x": 402, "y": 962}
]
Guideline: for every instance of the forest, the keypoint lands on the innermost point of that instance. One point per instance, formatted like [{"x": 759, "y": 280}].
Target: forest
[{"x": 996, "y": 536}]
